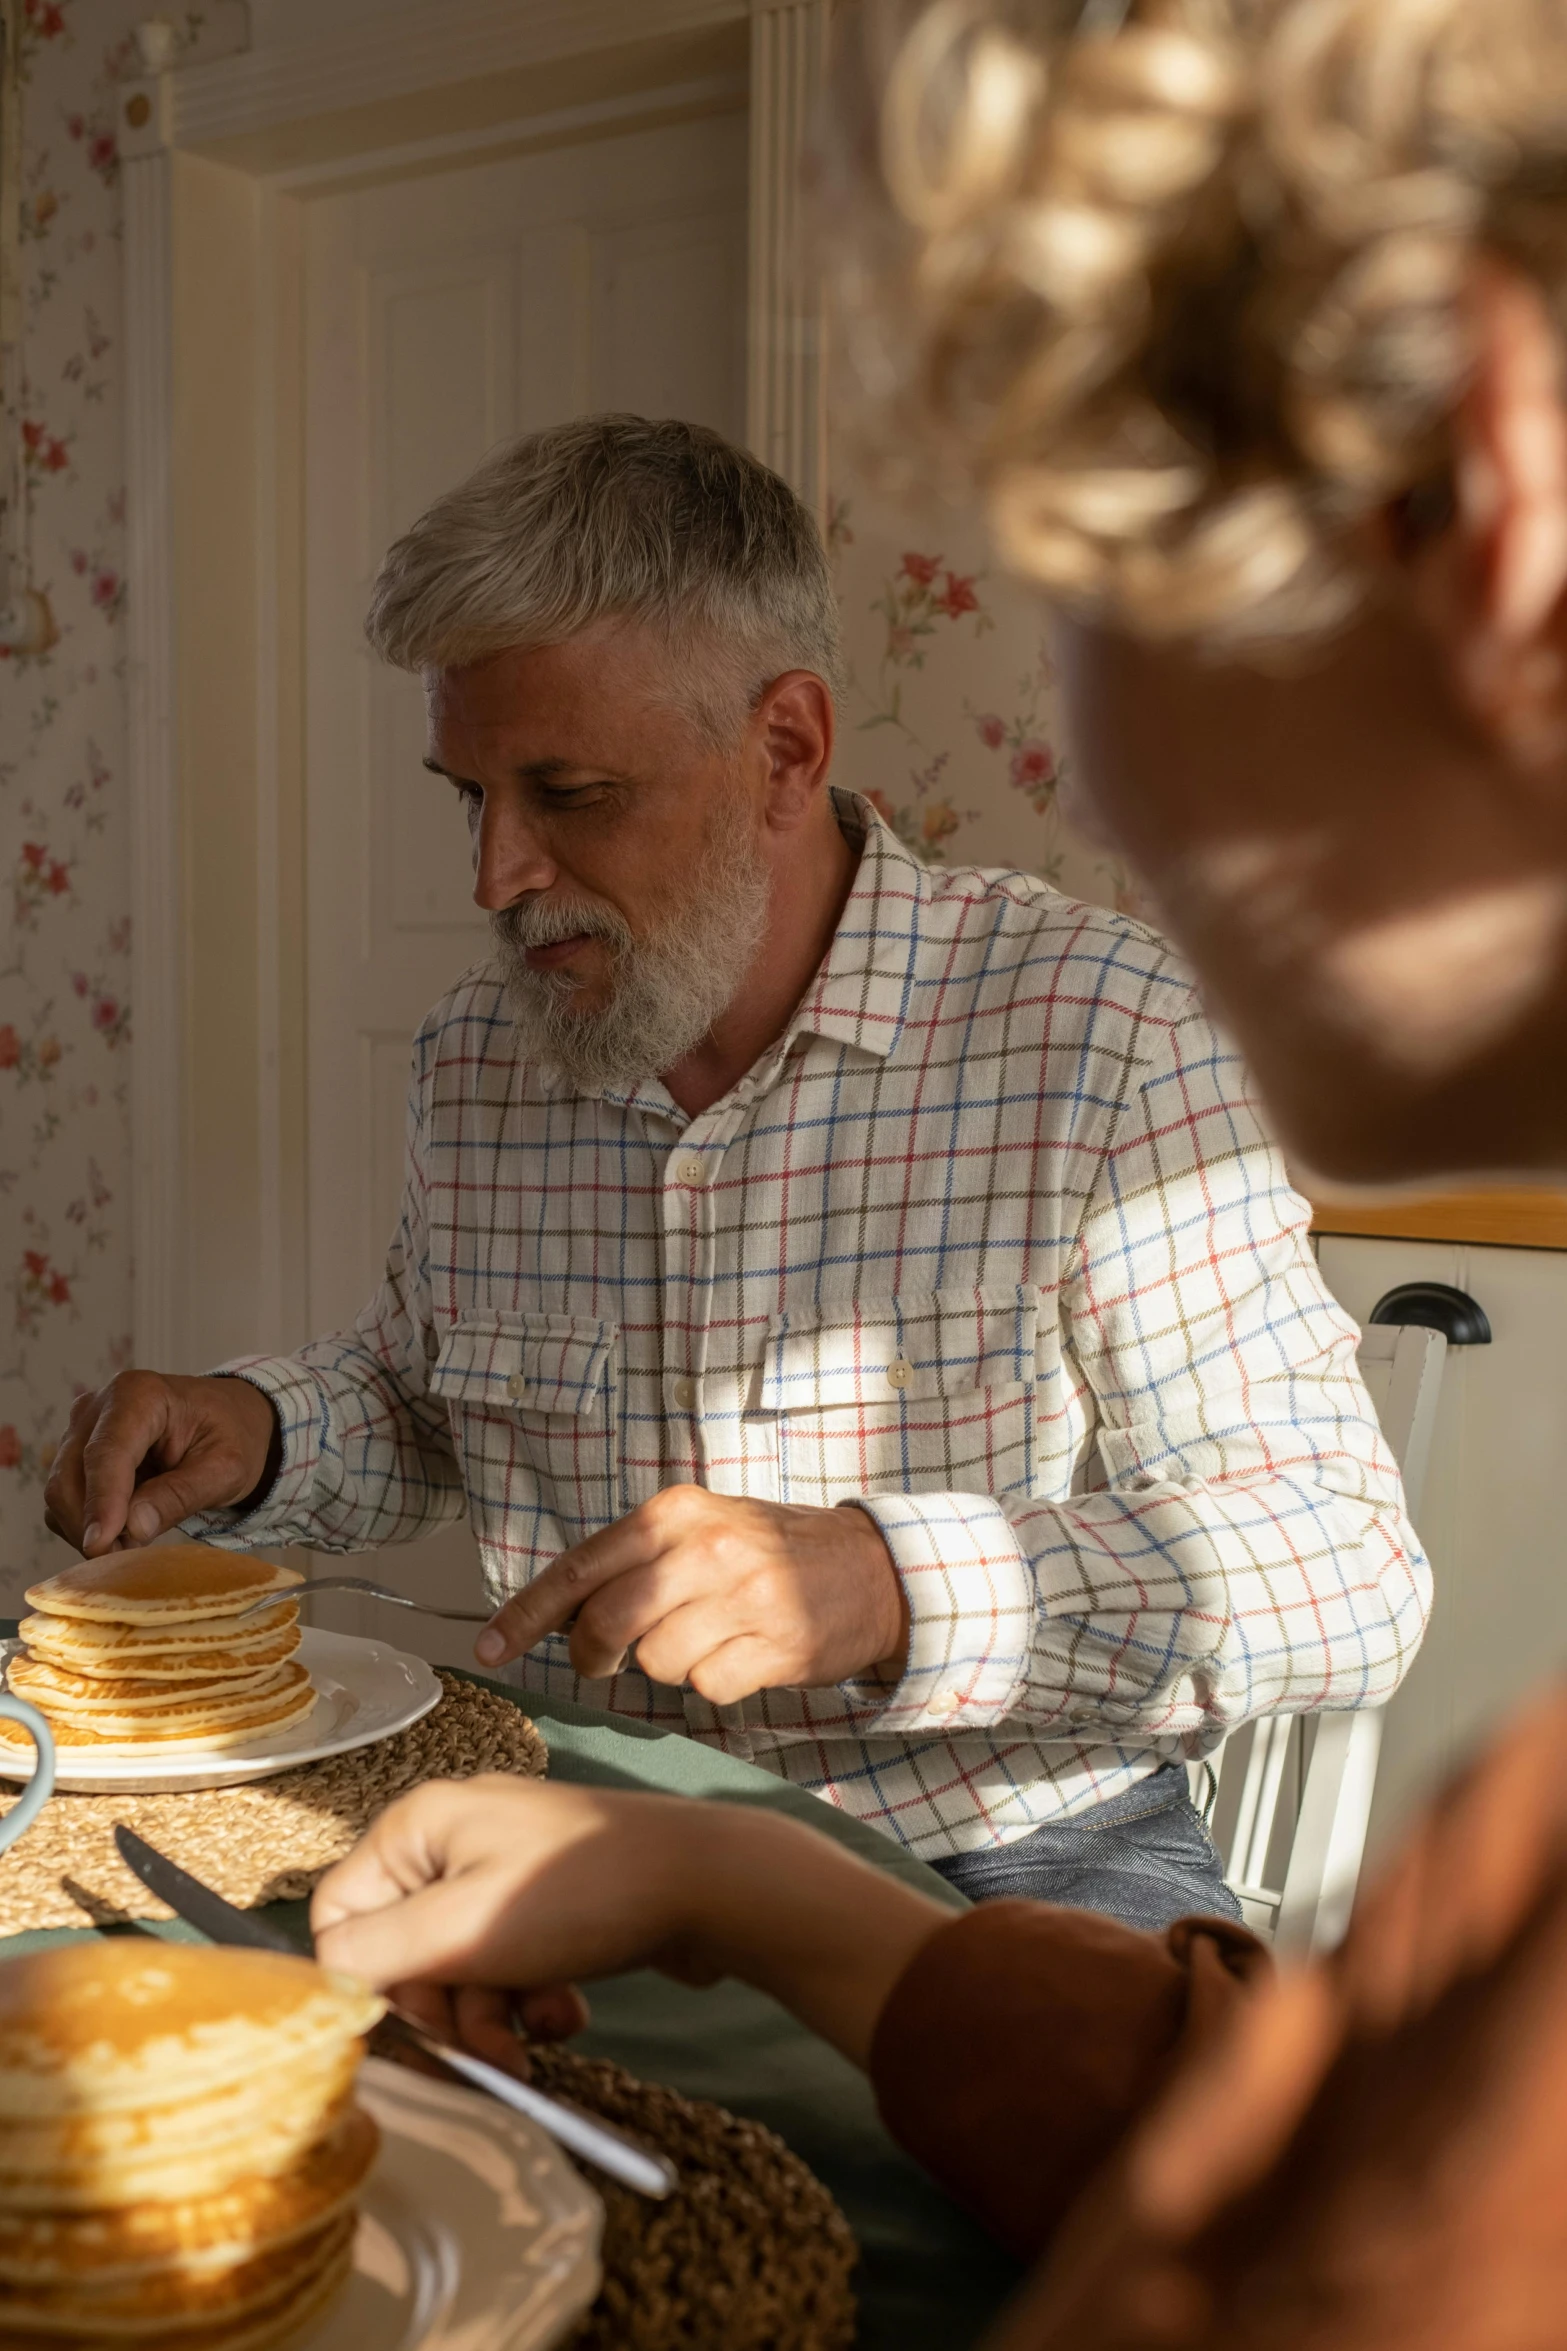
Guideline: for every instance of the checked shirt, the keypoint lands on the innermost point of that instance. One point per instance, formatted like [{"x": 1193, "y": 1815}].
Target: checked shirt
[{"x": 990, "y": 1243}]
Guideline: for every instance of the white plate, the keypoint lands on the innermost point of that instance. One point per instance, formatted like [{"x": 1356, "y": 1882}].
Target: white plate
[
  {"x": 364, "y": 1692},
  {"x": 475, "y": 2232}
]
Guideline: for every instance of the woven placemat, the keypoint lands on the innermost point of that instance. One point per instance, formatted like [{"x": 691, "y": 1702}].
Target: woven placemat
[
  {"x": 749, "y": 2254},
  {"x": 266, "y": 1842}
]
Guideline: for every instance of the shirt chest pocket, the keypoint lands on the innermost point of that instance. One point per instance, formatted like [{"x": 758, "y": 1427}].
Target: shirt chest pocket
[
  {"x": 912, "y": 1394},
  {"x": 534, "y": 1406}
]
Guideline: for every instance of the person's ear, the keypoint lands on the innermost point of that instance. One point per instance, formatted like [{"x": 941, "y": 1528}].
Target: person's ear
[
  {"x": 795, "y": 725},
  {"x": 1491, "y": 583}
]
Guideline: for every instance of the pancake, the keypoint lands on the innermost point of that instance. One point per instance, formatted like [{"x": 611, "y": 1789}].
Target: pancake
[
  {"x": 123, "y": 1743},
  {"x": 117, "y": 2026},
  {"x": 199, "y": 1723},
  {"x": 90, "y": 1636},
  {"x": 151, "y": 1651},
  {"x": 174, "y": 1583},
  {"x": 260, "y": 2125},
  {"x": 268, "y": 2147},
  {"x": 176, "y": 2300},
  {"x": 74, "y": 1694},
  {"x": 179, "y": 2149},
  {"x": 74, "y": 1738},
  {"x": 284, "y": 2110},
  {"x": 174, "y": 1653},
  {"x": 202, "y": 2232},
  {"x": 269, "y": 2330}
]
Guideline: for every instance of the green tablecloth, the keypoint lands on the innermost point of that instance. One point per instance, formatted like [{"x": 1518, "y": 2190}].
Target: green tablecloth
[{"x": 930, "y": 2280}]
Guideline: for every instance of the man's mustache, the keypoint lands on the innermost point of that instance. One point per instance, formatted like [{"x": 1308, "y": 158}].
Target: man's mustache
[{"x": 544, "y": 922}]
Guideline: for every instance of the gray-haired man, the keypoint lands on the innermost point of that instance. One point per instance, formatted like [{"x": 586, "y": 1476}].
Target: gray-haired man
[{"x": 763, "y": 1171}]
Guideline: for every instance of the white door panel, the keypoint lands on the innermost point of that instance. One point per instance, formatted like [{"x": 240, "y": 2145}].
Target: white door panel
[
  {"x": 1490, "y": 1521},
  {"x": 658, "y": 287},
  {"x": 442, "y": 315},
  {"x": 442, "y": 340}
]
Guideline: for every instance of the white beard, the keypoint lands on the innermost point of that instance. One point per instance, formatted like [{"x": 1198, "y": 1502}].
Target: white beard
[{"x": 667, "y": 987}]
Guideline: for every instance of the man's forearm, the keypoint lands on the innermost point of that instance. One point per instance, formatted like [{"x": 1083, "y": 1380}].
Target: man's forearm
[
  {"x": 1188, "y": 1606},
  {"x": 1178, "y": 1607}
]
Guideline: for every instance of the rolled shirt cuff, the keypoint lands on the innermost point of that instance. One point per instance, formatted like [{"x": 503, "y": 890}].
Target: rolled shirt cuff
[
  {"x": 970, "y": 1594},
  {"x": 301, "y": 1408}
]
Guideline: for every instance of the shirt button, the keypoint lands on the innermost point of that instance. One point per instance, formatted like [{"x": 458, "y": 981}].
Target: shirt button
[
  {"x": 685, "y": 1394},
  {"x": 515, "y": 1385},
  {"x": 690, "y": 1171},
  {"x": 899, "y": 1372},
  {"x": 945, "y": 1702}
]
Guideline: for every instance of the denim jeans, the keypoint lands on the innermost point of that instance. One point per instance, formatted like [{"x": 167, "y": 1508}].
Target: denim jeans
[{"x": 1144, "y": 1856}]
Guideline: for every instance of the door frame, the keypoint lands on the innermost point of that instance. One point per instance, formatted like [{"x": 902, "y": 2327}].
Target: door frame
[{"x": 218, "y": 159}]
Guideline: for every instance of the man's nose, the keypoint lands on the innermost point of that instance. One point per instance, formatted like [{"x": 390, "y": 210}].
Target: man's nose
[{"x": 509, "y": 858}]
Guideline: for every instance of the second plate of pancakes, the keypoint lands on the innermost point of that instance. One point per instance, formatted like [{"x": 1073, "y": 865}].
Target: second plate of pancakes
[
  {"x": 193, "y": 2155},
  {"x": 364, "y": 1691}
]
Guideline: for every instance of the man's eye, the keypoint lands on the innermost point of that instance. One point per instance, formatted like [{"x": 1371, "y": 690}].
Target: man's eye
[{"x": 471, "y": 798}]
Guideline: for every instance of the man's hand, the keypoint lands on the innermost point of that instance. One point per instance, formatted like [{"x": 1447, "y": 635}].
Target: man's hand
[
  {"x": 730, "y": 1596},
  {"x": 150, "y": 1448}
]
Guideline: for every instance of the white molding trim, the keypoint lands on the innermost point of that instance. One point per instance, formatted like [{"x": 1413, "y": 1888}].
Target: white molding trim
[
  {"x": 786, "y": 397},
  {"x": 407, "y": 50},
  {"x": 706, "y": 95},
  {"x": 277, "y": 1326},
  {"x": 158, "y": 1153}
]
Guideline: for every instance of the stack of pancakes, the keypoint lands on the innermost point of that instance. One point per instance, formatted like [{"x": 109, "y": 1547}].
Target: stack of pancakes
[
  {"x": 180, "y": 2150},
  {"x": 141, "y": 1650}
]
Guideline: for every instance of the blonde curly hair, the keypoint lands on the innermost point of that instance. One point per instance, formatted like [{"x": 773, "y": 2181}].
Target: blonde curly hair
[{"x": 1174, "y": 284}]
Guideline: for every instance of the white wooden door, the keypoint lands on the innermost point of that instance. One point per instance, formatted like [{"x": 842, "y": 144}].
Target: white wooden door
[{"x": 444, "y": 313}]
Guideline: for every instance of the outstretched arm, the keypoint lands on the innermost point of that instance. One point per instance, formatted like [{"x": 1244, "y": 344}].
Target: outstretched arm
[
  {"x": 340, "y": 1447},
  {"x": 488, "y": 1882},
  {"x": 1010, "y": 2047}
]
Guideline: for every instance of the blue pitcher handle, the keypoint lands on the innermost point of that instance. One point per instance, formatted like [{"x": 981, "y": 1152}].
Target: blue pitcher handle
[{"x": 41, "y": 1786}]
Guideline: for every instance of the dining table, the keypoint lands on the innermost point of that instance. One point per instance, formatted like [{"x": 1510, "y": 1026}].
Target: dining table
[{"x": 929, "y": 2278}]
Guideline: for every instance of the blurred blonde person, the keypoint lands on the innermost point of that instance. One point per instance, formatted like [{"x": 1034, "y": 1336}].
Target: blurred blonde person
[{"x": 1242, "y": 324}]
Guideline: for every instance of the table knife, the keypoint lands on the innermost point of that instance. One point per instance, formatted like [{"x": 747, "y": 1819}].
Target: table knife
[{"x": 614, "y": 2151}]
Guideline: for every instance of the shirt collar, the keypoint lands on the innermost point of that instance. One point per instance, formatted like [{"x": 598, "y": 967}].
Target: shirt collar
[{"x": 861, "y": 994}]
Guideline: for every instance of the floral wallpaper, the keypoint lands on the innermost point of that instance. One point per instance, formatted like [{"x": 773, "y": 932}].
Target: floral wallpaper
[
  {"x": 947, "y": 722},
  {"x": 64, "y": 961}
]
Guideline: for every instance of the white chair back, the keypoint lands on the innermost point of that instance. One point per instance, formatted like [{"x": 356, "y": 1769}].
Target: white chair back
[{"x": 1289, "y": 1797}]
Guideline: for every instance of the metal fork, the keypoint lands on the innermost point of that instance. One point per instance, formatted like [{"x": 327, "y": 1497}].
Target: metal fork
[{"x": 366, "y": 1591}]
